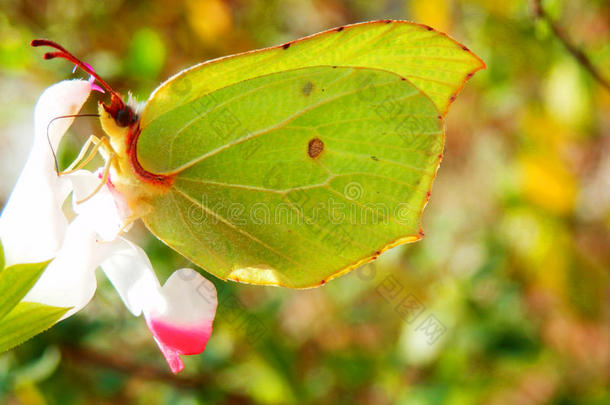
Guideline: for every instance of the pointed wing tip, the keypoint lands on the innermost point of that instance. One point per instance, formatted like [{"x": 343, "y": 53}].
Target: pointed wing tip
[{"x": 478, "y": 62}]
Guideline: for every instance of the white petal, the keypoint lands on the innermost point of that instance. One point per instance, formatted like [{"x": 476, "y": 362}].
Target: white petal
[
  {"x": 101, "y": 211},
  {"x": 83, "y": 182},
  {"x": 69, "y": 280},
  {"x": 184, "y": 324},
  {"x": 32, "y": 224},
  {"x": 131, "y": 273},
  {"x": 63, "y": 98}
]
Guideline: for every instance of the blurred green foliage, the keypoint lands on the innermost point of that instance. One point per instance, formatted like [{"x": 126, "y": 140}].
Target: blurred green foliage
[{"x": 506, "y": 300}]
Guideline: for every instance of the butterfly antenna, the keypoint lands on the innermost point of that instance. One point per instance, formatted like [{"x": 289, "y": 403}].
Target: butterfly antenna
[
  {"x": 63, "y": 53},
  {"x": 49, "y": 138}
]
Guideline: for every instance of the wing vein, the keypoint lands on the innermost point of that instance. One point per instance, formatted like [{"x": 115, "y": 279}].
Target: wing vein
[
  {"x": 380, "y": 160},
  {"x": 238, "y": 229},
  {"x": 195, "y": 235}
]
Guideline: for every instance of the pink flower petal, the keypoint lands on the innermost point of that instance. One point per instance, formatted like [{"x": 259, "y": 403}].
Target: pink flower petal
[
  {"x": 183, "y": 324},
  {"x": 172, "y": 357},
  {"x": 95, "y": 87},
  {"x": 183, "y": 339},
  {"x": 176, "y": 340}
]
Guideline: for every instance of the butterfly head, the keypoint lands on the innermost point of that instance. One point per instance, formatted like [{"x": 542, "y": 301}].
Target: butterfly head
[{"x": 124, "y": 115}]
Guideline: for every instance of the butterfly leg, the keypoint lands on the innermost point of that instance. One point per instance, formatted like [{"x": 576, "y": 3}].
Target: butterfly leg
[
  {"x": 83, "y": 157},
  {"x": 111, "y": 155}
]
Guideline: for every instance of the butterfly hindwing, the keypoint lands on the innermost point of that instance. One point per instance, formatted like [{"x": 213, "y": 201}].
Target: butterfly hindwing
[{"x": 294, "y": 177}]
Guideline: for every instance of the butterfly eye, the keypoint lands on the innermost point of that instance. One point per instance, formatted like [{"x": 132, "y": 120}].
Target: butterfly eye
[{"x": 124, "y": 117}]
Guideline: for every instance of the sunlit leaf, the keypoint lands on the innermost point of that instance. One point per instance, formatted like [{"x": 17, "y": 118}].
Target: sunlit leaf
[
  {"x": 15, "y": 282},
  {"x": 26, "y": 320}
]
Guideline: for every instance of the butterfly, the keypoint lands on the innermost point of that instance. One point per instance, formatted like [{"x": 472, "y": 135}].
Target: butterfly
[{"x": 294, "y": 164}]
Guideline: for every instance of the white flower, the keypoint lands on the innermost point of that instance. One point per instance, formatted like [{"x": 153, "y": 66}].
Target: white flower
[{"x": 33, "y": 228}]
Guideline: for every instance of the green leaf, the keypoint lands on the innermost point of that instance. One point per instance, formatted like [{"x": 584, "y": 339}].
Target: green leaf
[
  {"x": 296, "y": 177},
  {"x": 432, "y": 61},
  {"x": 1, "y": 256},
  {"x": 16, "y": 281},
  {"x": 26, "y": 320}
]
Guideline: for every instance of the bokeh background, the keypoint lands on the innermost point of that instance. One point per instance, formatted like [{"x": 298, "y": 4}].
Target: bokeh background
[{"x": 506, "y": 300}]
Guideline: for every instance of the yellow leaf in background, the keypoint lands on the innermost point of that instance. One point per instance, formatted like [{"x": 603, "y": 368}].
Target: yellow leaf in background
[
  {"x": 435, "y": 13},
  {"x": 566, "y": 94},
  {"x": 497, "y": 8},
  {"x": 543, "y": 131},
  {"x": 210, "y": 19},
  {"x": 541, "y": 243},
  {"x": 548, "y": 183},
  {"x": 551, "y": 273}
]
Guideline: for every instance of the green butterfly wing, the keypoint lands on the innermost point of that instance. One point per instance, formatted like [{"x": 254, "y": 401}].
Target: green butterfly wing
[
  {"x": 295, "y": 177},
  {"x": 432, "y": 61}
]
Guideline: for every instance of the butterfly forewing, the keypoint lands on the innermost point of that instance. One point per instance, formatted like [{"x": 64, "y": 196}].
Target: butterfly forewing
[{"x": 432, "y": 61}]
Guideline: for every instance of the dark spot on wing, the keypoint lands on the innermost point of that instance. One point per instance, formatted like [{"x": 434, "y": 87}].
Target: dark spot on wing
[
  {"x": 286, "y": 46},
  {"x": 464, "y": 48},
  {"x": 375, "y": 158},
  {"x": 315, "y": 148},
  {"x": 307, "y": 89},
  {"x": 429, "y": 28},
  {"x": 340, "y": 29},
  {"x": 388, "y": 21}
]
